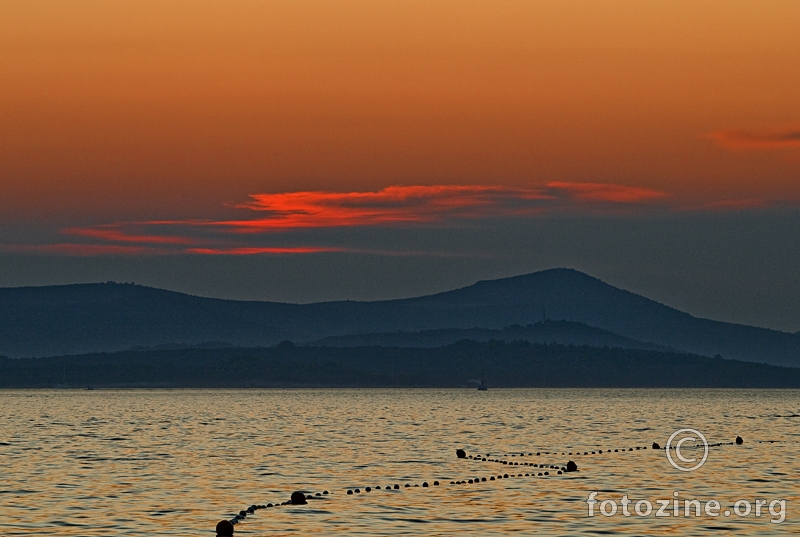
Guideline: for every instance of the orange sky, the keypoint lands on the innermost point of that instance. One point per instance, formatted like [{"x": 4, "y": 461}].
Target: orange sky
[{"x": 118, "y": 111}]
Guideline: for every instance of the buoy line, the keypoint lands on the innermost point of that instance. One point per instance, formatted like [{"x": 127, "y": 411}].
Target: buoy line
[{"x": 225, "y": 527}]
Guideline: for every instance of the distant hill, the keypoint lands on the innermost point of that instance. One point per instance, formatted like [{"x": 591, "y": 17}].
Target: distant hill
[
  {"x": 40, "y": 321},
  {"x": 560, "y": 332},
  {"x": 516, "y": 364}
]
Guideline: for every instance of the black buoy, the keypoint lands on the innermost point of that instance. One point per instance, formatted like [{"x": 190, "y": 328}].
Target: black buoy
[
  {"x": 461, "y": 454},
  {"x": 224, "y": 528},
  {"x": 739, "y": 441},
  {"x": 572, "y": 467},
  {"x": 396, "y": 487},
  {"x": 435, "y": 483},
  {"x": 656, "y": 446},
  {"x": 425, "y": 484},
  {"x": 298, "y": 498},
  {"x": 349, "y": 491}
]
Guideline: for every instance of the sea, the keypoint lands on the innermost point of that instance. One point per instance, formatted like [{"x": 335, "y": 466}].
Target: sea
[{"x": 177, "y": 462}]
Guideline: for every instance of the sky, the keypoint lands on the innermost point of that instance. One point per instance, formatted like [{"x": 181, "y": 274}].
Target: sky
[{"x": 316, "y": 150}]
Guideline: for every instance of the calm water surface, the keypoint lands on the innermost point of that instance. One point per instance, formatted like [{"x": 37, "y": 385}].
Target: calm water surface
[{"x": 151, "y": 462}]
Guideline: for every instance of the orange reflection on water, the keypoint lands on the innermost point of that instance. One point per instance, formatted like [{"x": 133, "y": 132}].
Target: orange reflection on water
[{"x": 166, "y": 462}]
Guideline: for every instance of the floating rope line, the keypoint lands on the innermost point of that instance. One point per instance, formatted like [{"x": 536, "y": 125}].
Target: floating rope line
[{"x": 225, "y": 527}]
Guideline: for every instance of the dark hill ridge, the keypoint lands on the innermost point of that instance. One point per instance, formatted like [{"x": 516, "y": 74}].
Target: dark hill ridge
[
  {"x": 517, "y": 364},
  {"x": 38, "y": 321},
  {"x": 558, "y": 332}
]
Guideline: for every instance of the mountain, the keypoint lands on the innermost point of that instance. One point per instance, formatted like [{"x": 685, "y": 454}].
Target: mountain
[
  {"x": 39, "y": 321},
  {"x": 547, "y": 332}
]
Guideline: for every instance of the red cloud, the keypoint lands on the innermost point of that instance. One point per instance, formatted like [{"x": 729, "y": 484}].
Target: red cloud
[
  {"x": 392, "y": 205},
  {"x": 257, "y": 250},
  {"x": 285, "y": 212},
  {"x": 112, "y": 233},
  {"x": 766, "y": 139}
]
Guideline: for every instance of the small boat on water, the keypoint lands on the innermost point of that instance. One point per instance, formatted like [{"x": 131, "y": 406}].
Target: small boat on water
[{"x": 482, "y": 387}]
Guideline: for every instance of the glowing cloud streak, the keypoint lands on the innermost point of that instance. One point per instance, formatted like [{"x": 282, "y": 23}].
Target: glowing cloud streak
[
  {"x": 767, "y": 139},
  {"x": 281, "y": 214}
]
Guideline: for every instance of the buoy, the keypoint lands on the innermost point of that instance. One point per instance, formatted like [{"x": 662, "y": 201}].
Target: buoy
[
  {"x": 298, "y": 498},
  {"x": 435, "y": 483},
  {"x": 349, "y": 491},
  {"x": 572, "y": 467},
  {"x": 396, "y": 487},
  {"x": 368, "y": 489},
  {"x": 656, "y": 446},
  {"x": 425, "y": 484},
  {"x": 739, "y": 441},
  {"x": 461, "y": 454},
  {"x": 224, "y": 528}
]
